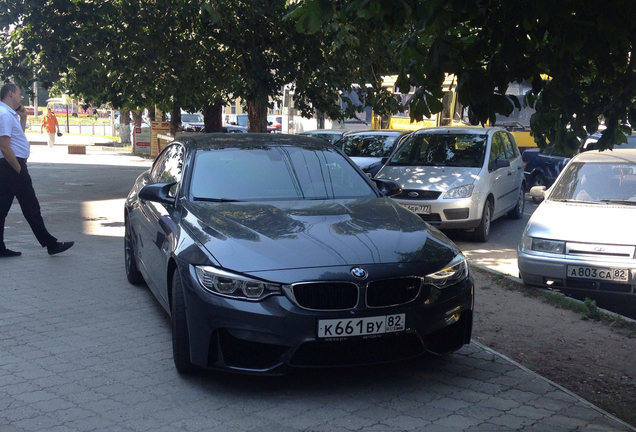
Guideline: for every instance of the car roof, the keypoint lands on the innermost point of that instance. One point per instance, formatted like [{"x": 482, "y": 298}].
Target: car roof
[
  {"x": 617, "y": 155},
  {"x": 220, "y": 140},
  {"x": 322, "y": 131},
  {"x": 474, "y": 130},
  {"x": 380, "y": 132}
]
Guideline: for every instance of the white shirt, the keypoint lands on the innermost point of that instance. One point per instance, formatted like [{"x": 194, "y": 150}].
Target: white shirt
[{"x": 10, "y": 126}]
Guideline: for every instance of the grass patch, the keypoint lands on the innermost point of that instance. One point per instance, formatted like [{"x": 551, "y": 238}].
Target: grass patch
[{"x": 587, "y": 309}]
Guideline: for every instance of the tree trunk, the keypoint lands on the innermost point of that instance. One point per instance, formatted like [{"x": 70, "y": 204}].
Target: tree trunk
[
  {"x": 136, "y": 117},
  {"x": 213, "y": 116},
  {"x": 151, "y": 113},
  {"x": 124, "y": 126},
  {"x": 175, "y": 121},
  {"x": 256, "y": 116}
]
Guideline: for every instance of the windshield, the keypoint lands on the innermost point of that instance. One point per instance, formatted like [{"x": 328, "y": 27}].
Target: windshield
[
  {"x": 276, "y": 173},
  {"x": 451, "y": 149},
  {"x": 191, "y": 118},
  {"x": 367, "y": 145},
  {"x": 596, "y": 182}
]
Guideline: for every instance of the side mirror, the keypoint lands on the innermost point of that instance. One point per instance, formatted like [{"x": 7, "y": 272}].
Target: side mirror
[
  {"x": 388, "y": 187},
  {"x": 158, "y": 192},
  {"x": 537, "y": 192},
  {"x": 502, "y": 163}
]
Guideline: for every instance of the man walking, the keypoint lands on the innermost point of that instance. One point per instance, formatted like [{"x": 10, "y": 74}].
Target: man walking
[
  {"x": 50, "y": 124},
  {"x": 15, "y": 181}
]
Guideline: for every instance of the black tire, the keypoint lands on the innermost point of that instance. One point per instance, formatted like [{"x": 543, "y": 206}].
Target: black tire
[
  {"x": 537, "y": 180},
  {"x": 132, "y": 272},
  {"x": 520, "y": 205},
  {"x": 483, "y": 229},
  {"x": 180, "y": 333}
]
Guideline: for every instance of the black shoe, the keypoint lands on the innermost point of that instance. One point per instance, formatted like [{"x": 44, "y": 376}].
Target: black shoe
[
  {"x": 59, "y": 247},
  {"x": 6, "y": 253}
]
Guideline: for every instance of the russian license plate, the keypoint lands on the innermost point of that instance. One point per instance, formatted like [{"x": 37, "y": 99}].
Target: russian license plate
[
  {"x": 418, "y": 208},
  {"x": 609, "y": 274},
  {"x": 361, "y": 326}
]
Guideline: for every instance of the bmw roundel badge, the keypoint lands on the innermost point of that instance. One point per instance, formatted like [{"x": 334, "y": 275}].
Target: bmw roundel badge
[{"x": 359, "y": 272}]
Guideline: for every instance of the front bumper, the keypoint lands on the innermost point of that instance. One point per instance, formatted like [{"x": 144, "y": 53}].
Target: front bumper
[
  {"x": 463, "y": 213},
  {"x": 550, "y": 271},
  {"x": 275, "y": 334}
]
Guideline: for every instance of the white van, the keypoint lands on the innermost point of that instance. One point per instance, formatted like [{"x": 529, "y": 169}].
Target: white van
[{"x": 459, "y": 177}]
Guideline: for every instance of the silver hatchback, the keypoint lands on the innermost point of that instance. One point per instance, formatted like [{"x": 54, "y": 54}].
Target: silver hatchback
[
  {"x": 459, "y": 177},
  {"x": 581, "y": 237}
]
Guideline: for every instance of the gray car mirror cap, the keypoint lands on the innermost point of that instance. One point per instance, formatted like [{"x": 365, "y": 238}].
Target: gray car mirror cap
[
  {"x": 157, "y": 192},
  {"x": 537, "y": 191}
]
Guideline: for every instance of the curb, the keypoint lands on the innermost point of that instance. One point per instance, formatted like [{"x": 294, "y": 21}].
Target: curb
[{"x": 563, "y": 389}]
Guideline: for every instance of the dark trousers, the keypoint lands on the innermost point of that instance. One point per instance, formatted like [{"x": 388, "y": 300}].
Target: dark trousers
[{"x": 20, "y": 186}]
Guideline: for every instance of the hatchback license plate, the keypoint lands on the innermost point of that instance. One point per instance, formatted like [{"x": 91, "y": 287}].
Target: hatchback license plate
[
  {"x": 612, "y": 274},
  {"x": 418, "y": 208},
  {"x": 361, "y": 326}
]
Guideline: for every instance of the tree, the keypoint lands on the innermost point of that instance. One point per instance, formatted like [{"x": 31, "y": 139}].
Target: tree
[{"x": 583, "y": 47}]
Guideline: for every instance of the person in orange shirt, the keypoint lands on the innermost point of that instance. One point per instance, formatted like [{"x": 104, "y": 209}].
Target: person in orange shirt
[{"x": 50, "y": 124}]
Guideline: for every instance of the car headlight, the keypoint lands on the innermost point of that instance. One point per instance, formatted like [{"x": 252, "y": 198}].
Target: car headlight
[
  {"x": 235, "y": 286},
  {"x": 542, "y": 245},
  {"x": 464, "y": 191},
  {"x": 456, "y": 270}
]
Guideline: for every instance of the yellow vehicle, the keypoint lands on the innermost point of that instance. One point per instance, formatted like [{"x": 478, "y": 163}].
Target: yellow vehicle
[
  {"x": 63, "y": 106},
  {"x": 454, "y": 114}
]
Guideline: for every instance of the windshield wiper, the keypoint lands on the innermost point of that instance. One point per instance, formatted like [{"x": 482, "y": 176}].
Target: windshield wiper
[
  {"x": 215, "y": 199},
  {"x": 576, "y": 201},
  {"x": 619, "y": 201}
]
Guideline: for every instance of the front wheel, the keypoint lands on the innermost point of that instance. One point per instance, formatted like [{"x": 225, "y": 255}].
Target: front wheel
[
  {"x": 132, "y": 272},
  {"x": 483, "y": 229},
  {"x": 180, "y": 333},
  {"x": 517, "y": 211}
]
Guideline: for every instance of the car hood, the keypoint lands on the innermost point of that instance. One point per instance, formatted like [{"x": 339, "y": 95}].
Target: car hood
[
  {"x": 578, "y": 222},
  {"x": 437, "y": 178},
  {"x": 248, "y": 237}
]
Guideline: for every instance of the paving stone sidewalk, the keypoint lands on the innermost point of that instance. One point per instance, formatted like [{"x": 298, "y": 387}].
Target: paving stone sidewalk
[{"x": 83, "y": 350}]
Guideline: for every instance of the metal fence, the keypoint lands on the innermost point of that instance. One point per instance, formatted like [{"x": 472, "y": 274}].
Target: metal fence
[{"x": 100, "y": 129}]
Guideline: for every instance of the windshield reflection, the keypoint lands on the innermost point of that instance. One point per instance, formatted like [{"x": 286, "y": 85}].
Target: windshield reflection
[
  {"x": 459, "y": 150},
  {"x": 596, "y": 182}
]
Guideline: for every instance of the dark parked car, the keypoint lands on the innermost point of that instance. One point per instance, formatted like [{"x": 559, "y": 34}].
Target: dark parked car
[
  {"x": 331, "y": 135},
  {"x": 275, "y": 251},
  {"x": 368, "y": 148},
  {"x": 542, "y": 167}
]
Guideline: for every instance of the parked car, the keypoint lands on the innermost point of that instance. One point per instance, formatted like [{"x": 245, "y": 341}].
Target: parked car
[
  {"x": 236, "y": 119},
  {"x": 459, "y": 177},
  {"x": 367, "y": 148},
  {"x": 234, "y": 129},
  {"x": 192, "y": 122},
  {"x": 580, "y": 237},
  {"x": 274, "y": 123},
  {"x": 275, "y": 251},
  {"x": 588, "y": 144},
  {"x": 541, "y": 167},
  {"x": 331, "y": 135}
]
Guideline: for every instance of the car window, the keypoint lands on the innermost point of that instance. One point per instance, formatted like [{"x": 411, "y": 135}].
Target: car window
[
  {"x": 452, "y": 149},
  {"x": 367, "y": 145},
  {"x": 596, "y": 181},
  {"x": 168, "y": 167},
  {"x": 511, "y": 150},
  {"x": 191, "y": 118},
  {"x": 276, "y": 173},
  {"x": 497, "y": 151}
]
